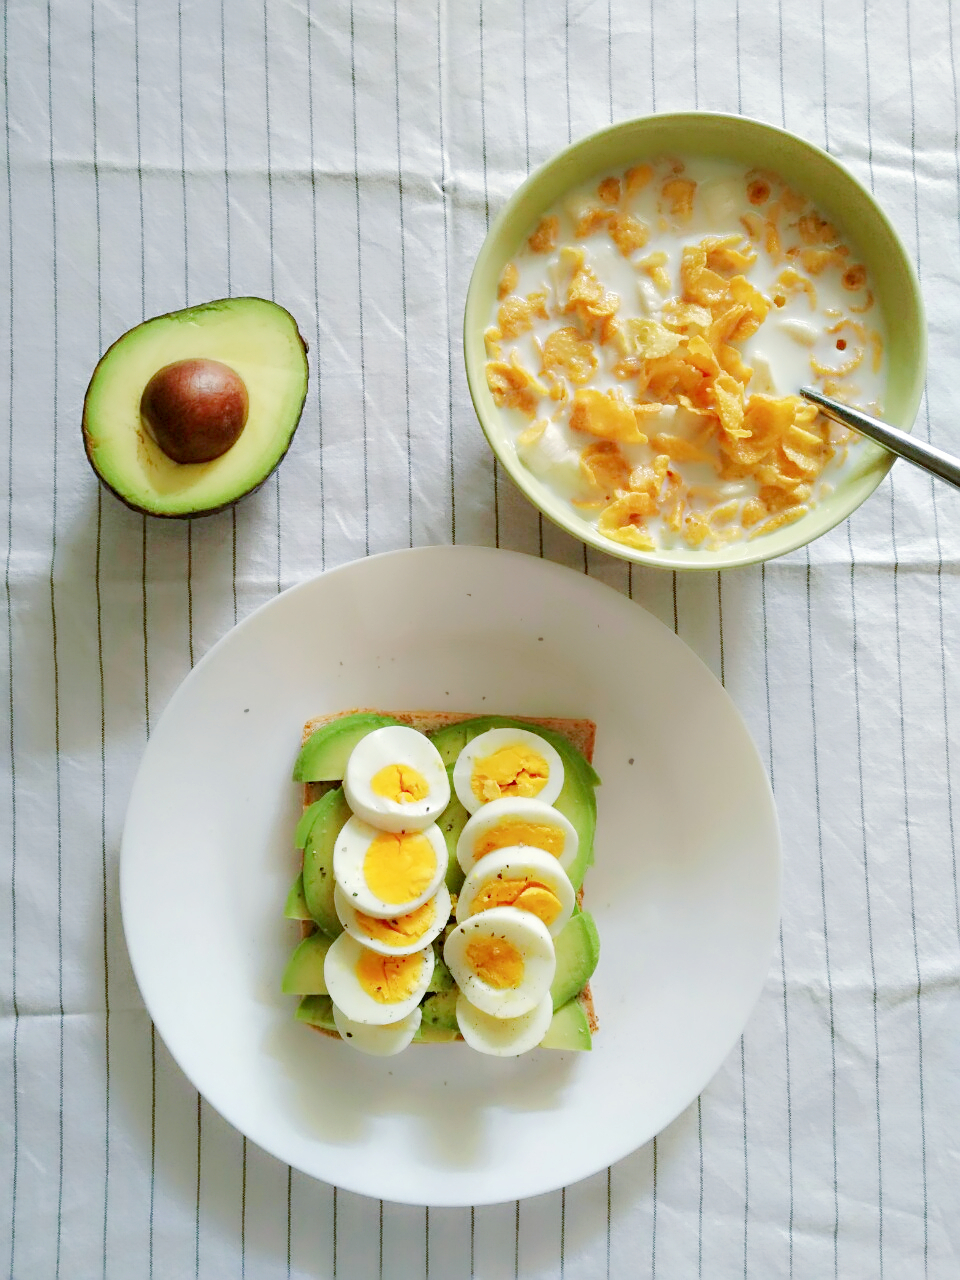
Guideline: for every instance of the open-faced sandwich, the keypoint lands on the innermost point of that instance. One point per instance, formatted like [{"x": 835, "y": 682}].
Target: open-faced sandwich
[{"x": 440, "y": 895}]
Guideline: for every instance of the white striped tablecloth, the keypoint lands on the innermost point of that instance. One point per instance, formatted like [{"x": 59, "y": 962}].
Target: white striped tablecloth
[{"x": 346, "y": 159}]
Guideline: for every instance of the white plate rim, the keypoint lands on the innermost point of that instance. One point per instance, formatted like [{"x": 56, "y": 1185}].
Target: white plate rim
[{"x": 466, "y": 557}]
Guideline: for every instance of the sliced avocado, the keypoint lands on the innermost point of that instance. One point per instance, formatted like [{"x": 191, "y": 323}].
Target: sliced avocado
[
  {"x": 440, "y": 1009},
  {"x": 305, "y": 824},
  {"x": 318, "y": 882},
  {"x": 255, "y": 339},
  {"x": 451, "y": 822},
  {"x": 324, "y": 755},
  {"x": 303, "y": 975},
  {"x": 569, "y": 1028},
  {"x": 317, "y": 1011},
  {"x": 442, "y": 979},
  {"x": 578, "y": 949},
  {"x": 427, "y": 1033},
  {"x": 576, "y": 801},
  {"x": 296, "y": 905}
]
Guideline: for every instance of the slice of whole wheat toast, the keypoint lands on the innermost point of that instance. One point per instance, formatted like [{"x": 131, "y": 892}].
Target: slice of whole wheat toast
[{"x": 580, "y": 733}]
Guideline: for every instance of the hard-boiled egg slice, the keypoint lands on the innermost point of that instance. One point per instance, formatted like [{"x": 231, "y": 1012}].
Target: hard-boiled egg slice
[
  {"x": 395, "y": 935},
  {"x": 388, "y": 873},
  {"x": 382, "y": 1041},
  {"x": 503, "y": 1037},
  {"x": 503, "y": 824},
  {"x": 527, "y": 879},
  {"x": 373, "y": 988},
  {"x": 507, "y": 762},
  {"x": 502, "y": 960},
  {"x": 396, "y": 780}
]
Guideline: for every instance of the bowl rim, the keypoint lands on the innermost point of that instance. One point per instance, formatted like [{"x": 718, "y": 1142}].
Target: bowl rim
[{"x": 575, "y": 160}]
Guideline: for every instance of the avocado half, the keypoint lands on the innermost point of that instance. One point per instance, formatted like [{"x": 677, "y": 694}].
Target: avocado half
[{"x": 260, "y": 341}]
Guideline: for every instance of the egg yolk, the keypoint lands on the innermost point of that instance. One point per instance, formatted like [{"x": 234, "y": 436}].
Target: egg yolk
[
  {"x": 515, "y": 770},
  {"x": 400, "y": 783},
  {"x": 496, "y": 962},
  {"x": 399, "y": 931},
  {"x": 514, "y": 831},
  {"x": 398, "y": 865},
  {"x": 389, "y": 979},
  {"x": 528, "y": 895}
]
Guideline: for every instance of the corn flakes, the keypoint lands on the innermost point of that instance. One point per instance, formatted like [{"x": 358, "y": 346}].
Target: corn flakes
[{"x": 673, "y": 426}]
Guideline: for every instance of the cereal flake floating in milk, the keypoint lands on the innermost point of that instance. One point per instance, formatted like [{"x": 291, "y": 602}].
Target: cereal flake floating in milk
[{"x": 648, "y": 340}]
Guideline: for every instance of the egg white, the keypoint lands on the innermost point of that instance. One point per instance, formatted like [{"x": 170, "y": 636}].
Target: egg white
[
  {"x": 347, "y": 914},
  {"x": 485, "y": 744},
  {"x": 519, "y": 863},
  {"x": 340, "y": 975},
  {"x": 503, "y": 1037},
  {"x": 396, "y": 744},
  {"x": 531, "y": 938},
  {"x": 381, "y": 1041},
  {"x": 349, "y": 851},
  {"x": 493, "y": 813}
]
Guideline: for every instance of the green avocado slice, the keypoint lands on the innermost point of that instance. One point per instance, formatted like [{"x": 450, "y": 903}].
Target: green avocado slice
[
  {"x": 576, "y": 801},
  {"x": 317, "y": 1011},
  {"x": 451, "y": 822},
  {"x": 318, "y": 881},
  {"x": 440, "y": 1009},
  {"x": 577, "y": 947},
  {"x": 430, "y": 1033},
  {"x": 296, "y": 907},
  {"x": 255, "y": 338},
  {"x": 442, "y": 978},
  {"x": 324, "y": 755},
  {"x": 303, "y": 975},
  {"x": 305, "y": 824},
  {"x": 569, "y": 1028}
]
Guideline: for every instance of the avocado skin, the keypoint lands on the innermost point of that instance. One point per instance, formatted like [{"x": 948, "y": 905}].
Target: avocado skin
[{"x": 208, "y": 509}]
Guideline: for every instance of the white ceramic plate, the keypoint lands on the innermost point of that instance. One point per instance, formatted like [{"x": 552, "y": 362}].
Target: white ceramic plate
[{"x": 685, "y": 890}]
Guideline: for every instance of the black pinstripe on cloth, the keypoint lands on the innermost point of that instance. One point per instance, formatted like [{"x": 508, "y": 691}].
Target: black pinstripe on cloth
[{"x": 347, "y": 158}]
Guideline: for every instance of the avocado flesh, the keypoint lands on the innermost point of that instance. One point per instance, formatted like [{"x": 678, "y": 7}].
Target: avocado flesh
[
  {"x": 427, "y": 1033},
  {"x": 317, "y": 1011},
  {"x": 305, "y": 825},
  {"x": 318, "y": 881},
  {"x": 569, "y": 1029},
  {"x": 295, "y": 908},
  {"x": 576, "y": 801},
  {"x": 440, "y": 1009},
  {"x": 260, "y": 342},
  {"x": 451, "y": 823},
  {"x": 442, "y": 978},
  {"x": 577, "y": 948},
  {"x": 303, "y": 975},
  {"x": 324, "y": 755}
]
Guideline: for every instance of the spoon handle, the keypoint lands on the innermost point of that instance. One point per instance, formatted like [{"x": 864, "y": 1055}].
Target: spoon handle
[{"x": 896, "y": 441}]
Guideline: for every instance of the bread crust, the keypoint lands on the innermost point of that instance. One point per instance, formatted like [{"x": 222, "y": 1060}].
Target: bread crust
[{"x": 580, "y": 733}]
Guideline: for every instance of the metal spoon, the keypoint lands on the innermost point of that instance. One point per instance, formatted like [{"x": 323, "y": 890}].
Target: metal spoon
[{"x": 896, "y": 441}]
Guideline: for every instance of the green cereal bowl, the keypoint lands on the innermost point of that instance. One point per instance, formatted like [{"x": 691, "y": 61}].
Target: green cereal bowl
[{"x": 836, "y": 193}]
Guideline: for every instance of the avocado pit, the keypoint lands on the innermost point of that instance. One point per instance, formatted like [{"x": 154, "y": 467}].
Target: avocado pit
[{"x": 195, "y": 409}]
